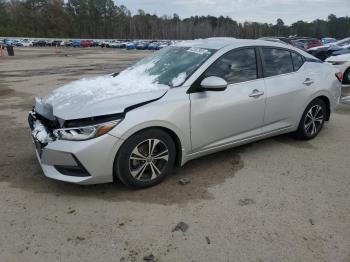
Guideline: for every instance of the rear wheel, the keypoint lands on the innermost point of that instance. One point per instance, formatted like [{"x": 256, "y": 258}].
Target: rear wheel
[
  {"x": 312, "y": 120},
  {"x": 145, "y": 158},
  {"x": 346, "y": 77}
]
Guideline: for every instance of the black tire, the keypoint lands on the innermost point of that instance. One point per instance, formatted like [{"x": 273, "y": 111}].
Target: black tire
[
  {"x": 306, "y": 131},
  {"x": 127, "y": 163},
  {"x": 346, "y": 77}
]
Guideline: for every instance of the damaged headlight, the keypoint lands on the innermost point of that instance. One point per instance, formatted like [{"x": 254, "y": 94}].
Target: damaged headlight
[{"x": 85, "y": 132}]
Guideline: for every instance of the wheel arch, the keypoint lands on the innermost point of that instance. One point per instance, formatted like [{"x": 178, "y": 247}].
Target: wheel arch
[
  {"x": 346, "y": 73},
  {"x": 325, "y": 98},
  {"x": 182, "y": 143},
  {"x": 328, "y": 105}
]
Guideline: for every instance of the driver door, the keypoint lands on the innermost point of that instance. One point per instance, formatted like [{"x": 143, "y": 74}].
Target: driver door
[{"x": 220, "y": 118}]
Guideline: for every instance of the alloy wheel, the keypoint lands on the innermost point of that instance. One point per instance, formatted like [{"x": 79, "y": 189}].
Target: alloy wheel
[
  {"x": 314, "y": 120},
  {"x": 148, "y": 159}
]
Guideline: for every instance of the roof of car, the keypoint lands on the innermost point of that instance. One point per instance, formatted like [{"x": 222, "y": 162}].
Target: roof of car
[
  {"x": 221, "y": 42},
  {"x": 217, "y": 43}
]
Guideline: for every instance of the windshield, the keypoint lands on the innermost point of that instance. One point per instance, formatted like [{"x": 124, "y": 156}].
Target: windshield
[{"x": 173, "y": 65}]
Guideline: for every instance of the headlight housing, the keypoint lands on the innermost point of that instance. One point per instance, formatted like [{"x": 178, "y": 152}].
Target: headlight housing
[{"x": 84, "y": 132}]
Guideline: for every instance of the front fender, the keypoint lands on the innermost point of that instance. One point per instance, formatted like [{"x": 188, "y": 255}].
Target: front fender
[{"x": 185, "y": 143}]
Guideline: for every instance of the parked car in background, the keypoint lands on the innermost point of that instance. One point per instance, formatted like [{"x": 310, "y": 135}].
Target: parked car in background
[
  {"x": 305, "y": 43},
  {"x": 122, "y": 44},
  {"x": 142, "y": 46},
  {"x": 102, "y": 44},
  {"x": 298, "y": 43},
  {"x": 27, "y": 42},
  {"x": 344, "y": 50},
  {"x": 130, "y": 46},
  {"x": 113, "y": 44},
  {"x": 68, "y": 43},
  {"x": 313, "y": 43},
  {"x": 17, "y": 43},
  {"x": 342, "y": 64},
  {"x": 40, "y": 43},
  {"x": 8, "y": 41},
  {"x": 76, "y": 43},
  {"x": 57, "y": 43},
  {"x": 330, "y": 49},
  {"x": 163, "y": 44},
  {"x": 163, "y": 111},
  {"x": 153, "y": 46},
  {"x": 86, "y": 43},
  {"x": 95, "y": 43},
  {"x": 49, "y": 42},
  {"x": 328, "y": 40}
]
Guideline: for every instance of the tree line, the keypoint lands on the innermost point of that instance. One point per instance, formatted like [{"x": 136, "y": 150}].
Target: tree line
[{"x": 104, "y": 19}]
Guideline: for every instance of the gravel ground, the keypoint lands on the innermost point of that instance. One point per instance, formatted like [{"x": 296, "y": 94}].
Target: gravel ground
[{"x": 275, "y": 200}]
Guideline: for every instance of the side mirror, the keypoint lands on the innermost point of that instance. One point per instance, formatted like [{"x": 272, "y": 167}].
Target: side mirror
[{"x": 213, "y": 83}]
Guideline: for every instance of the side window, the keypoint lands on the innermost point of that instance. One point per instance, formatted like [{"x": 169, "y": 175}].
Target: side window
[
  {"x": 298, "y": 61},
  {"x": 235, "y": 67},
  {"x": 277, "y": 61}
]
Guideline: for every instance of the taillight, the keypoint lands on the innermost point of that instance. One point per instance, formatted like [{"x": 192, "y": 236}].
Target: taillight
[{"x": 339, "y": 76}]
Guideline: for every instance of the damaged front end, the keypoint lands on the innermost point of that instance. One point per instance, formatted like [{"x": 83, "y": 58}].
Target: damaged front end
[
  {"x": 42, "y": 130},
  {"x": 42, "y": 123},
  {"x": 62, "y": 159},
  {"x": 47, "y": 128}
]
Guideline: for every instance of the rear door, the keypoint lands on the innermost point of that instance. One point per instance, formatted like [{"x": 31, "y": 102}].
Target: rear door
[
  {"x": 286, "y": 84},
  {"x": 219, "y": 118}
]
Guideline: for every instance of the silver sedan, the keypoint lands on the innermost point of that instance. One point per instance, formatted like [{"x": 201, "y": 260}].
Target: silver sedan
[{"x": 183, "y": 102}]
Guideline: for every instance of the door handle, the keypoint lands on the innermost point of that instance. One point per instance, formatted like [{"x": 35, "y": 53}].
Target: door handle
[
  {"x": 256, "y": 93},
  {"x": 308, "y": 82}
]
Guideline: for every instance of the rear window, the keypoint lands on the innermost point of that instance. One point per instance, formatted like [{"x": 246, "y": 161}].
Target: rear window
[
  {"x": 277, "y": 61},
  {"x": 298, "y": 61}
]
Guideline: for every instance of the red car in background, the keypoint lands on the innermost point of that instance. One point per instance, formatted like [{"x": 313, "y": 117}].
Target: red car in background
[
  {"x": 306, "y": 43},
  {"x": 86, "y": 43},
  {"x": 313, "y": 43}
]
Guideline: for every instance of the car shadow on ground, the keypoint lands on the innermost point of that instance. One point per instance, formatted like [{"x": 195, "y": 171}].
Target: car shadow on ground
[{"x": 20, "y": 168}]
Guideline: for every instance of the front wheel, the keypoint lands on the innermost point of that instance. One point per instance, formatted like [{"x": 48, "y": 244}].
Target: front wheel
[
  {"x": 312, "y": 120},
  {"x": 145, "y": 158}
]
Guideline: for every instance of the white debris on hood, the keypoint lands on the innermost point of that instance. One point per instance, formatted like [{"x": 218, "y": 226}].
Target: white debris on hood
[
  {"x": 130, "y": 81},
  {"x": 179, "y": 79},
  {"x": 39, "y": 132}
]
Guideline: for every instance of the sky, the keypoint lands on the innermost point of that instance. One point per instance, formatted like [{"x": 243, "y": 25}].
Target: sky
[{"x": 244, "y": 10}]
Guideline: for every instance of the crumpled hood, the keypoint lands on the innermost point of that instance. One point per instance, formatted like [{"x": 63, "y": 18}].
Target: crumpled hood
[{"x": 103, "y": 95}]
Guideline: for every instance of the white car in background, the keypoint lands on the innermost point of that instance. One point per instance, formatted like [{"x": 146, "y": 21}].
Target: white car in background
[
  {"x": 27, "y": 43},
  {"x": 342, "y": 64}
]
